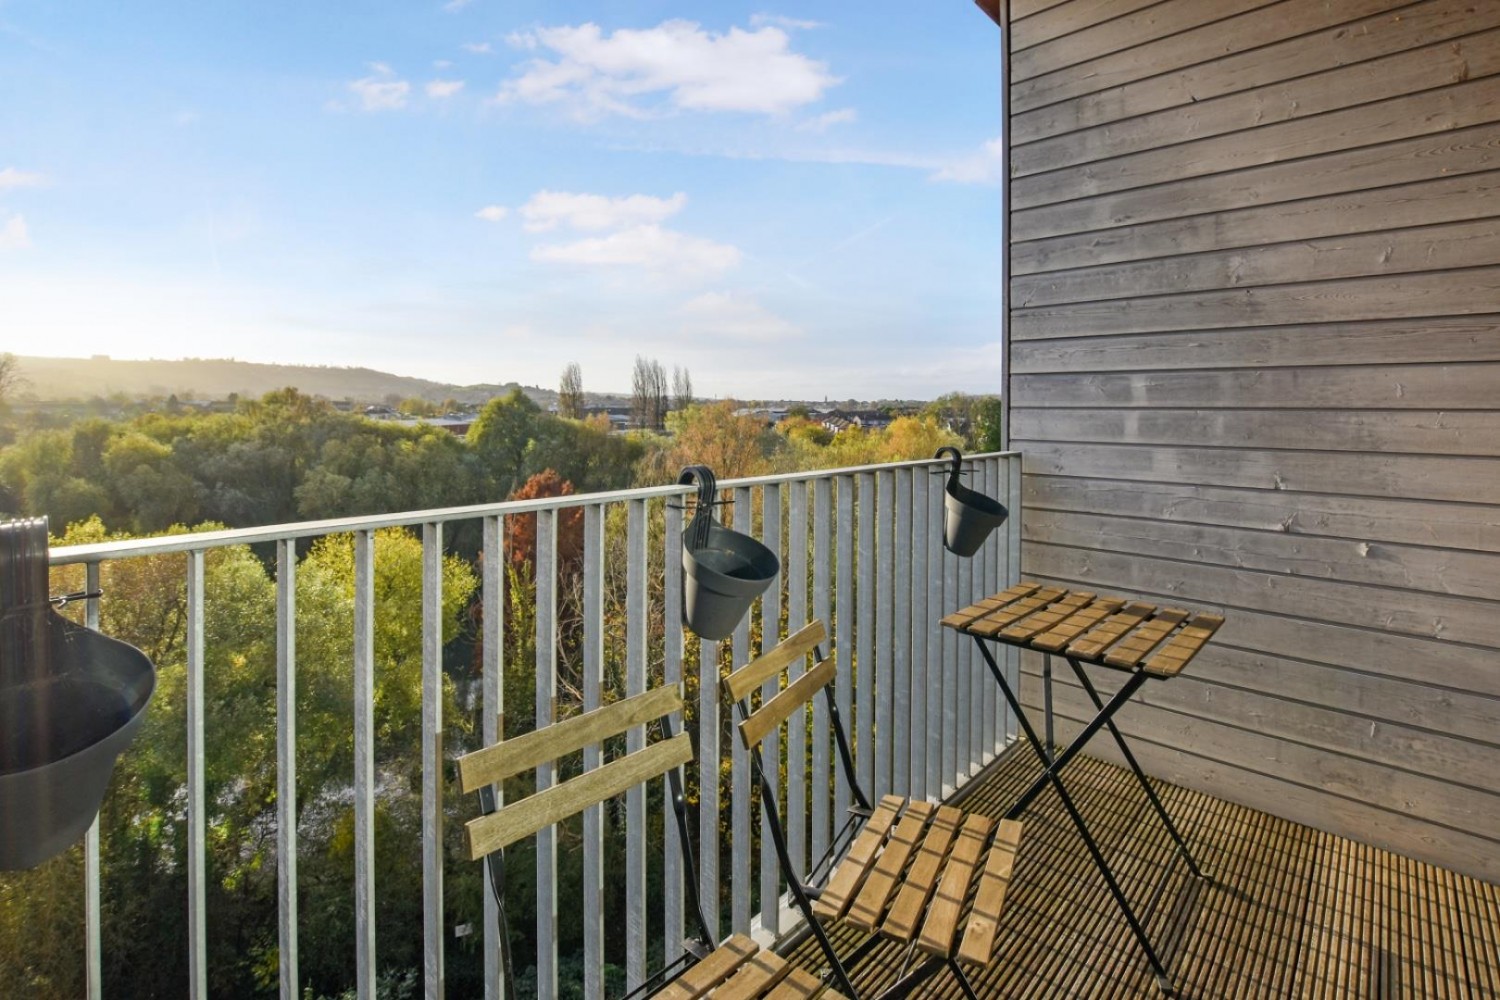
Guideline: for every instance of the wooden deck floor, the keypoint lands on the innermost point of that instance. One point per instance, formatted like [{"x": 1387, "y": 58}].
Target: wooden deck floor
[{"x": 1289, "y": 911}]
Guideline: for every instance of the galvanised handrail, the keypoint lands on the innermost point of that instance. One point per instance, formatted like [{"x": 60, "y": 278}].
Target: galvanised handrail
[{"x": 897, "y": 674}]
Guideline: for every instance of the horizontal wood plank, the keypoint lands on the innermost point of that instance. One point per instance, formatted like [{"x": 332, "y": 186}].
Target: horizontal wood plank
[
  {"x": 1430, "y": 248},
  {"x": 487, "y": 834},
  {"x": 1462, "y": 526},
  {"x": 1066, "y": 18},
  {"x": 511, "y": 757},
  {"x": 1474, "y": 433},
  {"x": 780, "y": 708},
  {"x": 1440, "y": 339},
  {"x": 761, "y": 669},
  {"x": 1449, "y": 293}
]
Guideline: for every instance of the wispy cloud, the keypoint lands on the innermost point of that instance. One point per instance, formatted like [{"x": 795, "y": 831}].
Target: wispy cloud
[
  {"x": 676, "y": 66},
  {"x": 454, "y": 6},
  {"x": 782, "y": 21},
  {"x": 478, "y": 48},
  {"x": 441, "y": 89},
  {"x": 381, "y": 90},
  {"x": 14, "y": 234},
  {"x": 984, "y": 167},
  {"x": 649, "y": 248},
  {"x": 595, "y": 212},
  {"x": 822, "y": 123},
  {"x": 735, "y": 316},
  {"x": 11, "y": 178},
  {"x": 492, "y": 213}
]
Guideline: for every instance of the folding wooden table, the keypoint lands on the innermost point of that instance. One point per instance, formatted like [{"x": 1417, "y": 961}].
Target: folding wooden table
[{"x": 1143, "y": 640}]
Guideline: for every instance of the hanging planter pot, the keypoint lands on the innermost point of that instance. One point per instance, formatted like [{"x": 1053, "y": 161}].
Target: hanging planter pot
[
  {"x": 71, "y": 701},
  {"x": 724, "y": 571},
  {"x": 968, "y": 516}
]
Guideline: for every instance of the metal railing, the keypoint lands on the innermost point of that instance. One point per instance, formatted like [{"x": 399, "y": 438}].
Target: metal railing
[{"x": 861, "y": 548}]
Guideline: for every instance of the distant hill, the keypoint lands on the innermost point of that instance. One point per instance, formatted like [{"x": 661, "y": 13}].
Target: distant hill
[{"x": 214, "y": 378}]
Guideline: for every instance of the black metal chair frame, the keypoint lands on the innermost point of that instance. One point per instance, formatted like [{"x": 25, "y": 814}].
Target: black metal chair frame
[{"x": 804, "y": 890}]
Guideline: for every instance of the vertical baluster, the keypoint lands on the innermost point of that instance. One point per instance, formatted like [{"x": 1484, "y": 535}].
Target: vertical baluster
[
  {"x": 985, "y": 585},
  {"x": 770, "y": 636},
  {"x": 739, "y": 766},
  {"x": 916, "y": 636},
  {"x": 593, "y": 697},
  {"x": 933, "y": 645},
  {"x": 672, "y": 901},
  {"x": 92, "y": 912},
  {"x": 197, "y": 856},
  {"x": 952, "y": 644},
  {"x": 1013, "y": 527},
  {"x": 796, "y": 741},
  {"x": 900, "y": 636},
  {"x": 364, "y": 764},
  {"x": 709, "y": 756},
  {"x": 432, "y": 759},
  {"x": 822, "y": 606},
  {"x": 546, "y": 703},
  {"x": 843, "y": 631},
  {"x": 636, "y": 638},
  {"x": 864, "y": 638},
  {"x": 969, "y": 579},
  {"x": 885, "y": 568},
  {"x": 286, "y": 764},
  {"x": 492, "y": 722}
]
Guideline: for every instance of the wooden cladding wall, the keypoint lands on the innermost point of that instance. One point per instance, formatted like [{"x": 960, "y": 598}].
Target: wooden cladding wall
[{"x": 1254, "y": 366}]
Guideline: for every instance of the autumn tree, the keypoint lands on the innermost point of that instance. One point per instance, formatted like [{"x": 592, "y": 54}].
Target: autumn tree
[
  {"x": 648, "y": 395},
  {"x": 570, "y": 392},
  {"x": 682, "y": 388}
]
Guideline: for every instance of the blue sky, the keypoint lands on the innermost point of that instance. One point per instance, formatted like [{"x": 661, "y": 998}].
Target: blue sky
[{"x": 789, "y": 200}]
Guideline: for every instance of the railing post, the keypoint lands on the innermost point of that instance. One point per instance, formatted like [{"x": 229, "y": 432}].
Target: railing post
[
  {"x": 432, "y": 760},
  {"x": 545, "y": 568},
  {"x": 672, "y": 900},
  {"x": 593, "y": 697},
  {"x": 492, "y": 723},
  {"x": 94, "y": 973},
  {"x": 364, "y": 763},
  {"x": 916, "y": 637},
  {"x": 796, "y": 730},
  {"x": 770, "y": 635},
  {"x": 864, "y": 634},
  {"x": 822, "y": 788},
  {"x": 739, "y": 766},
  {"x": 843, "y": 628},
  {"x": 286, "y": 764},
  {"x": 636, "y": 637},
  {"x": 886, "y": 737},
  {"x": 197, "y": 832}
]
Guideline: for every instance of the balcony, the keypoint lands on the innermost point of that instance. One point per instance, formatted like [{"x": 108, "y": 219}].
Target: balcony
[{"x": 1292, "y": 911}]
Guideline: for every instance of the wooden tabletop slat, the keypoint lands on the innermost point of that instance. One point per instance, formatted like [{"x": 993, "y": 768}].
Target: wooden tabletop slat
[
  {"x": 983, "y": 928},
  {"x": 1076, "y": 624},
  {"x": 961, "y": 618},
  {"x": 1043, "y": 620},
  {"x": 941, "y": 925},
  {"x": 991, "y": 624},
  {"x": 763, "y": 971},
  {"x": 851, "y": 871},
  {"x": 1109, "y": 631},
  {"x": 905, "y": 915},
  {"x": 868, "y": 907},
  {"x": 1146, "y": 636},
  {"x": 717, "y": 966}
]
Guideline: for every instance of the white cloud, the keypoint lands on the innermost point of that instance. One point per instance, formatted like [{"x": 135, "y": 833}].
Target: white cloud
[
  {"x": 677, "y": 65},
  {"x": 780, "y": 21},
  {"x": 595, "y": 212},
  {"x": 442, "y": 64},
  {"x": 648, "y": 247},
  {"x": 726, "y": 314},
  {"x": 10, "y": 177},
  {"x": 478, "y": 48},
  {"x": 440, "y": 89},
  {"x": 492, "y": 213},
  {"x": 381, "y": 91},
  {"x": 823, "y": 122},
  {"x": 984, "y": 167},
  {"x": 14, "y": 235},
  {"x": 454, "y": 6}
]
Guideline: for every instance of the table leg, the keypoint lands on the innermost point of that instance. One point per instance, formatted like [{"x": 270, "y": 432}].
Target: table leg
[
  {"x": 1161, "y": 809},
  {"x": 1047, "y": 702},
  {"x": 1050, "y": 774}
]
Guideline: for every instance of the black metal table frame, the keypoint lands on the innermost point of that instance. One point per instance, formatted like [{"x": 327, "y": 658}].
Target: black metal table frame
[{"x": 1053, "y": 766}]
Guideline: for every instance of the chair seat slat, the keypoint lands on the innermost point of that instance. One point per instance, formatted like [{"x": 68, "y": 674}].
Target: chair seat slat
[
  {"x": 983, "y": 928},
  {"x": 906, "y": 912},
  {"x": 868, "y": 907},
  {"x": 715, "y": 968},
  {"x": 942, "y": 915},
  {"x": 851, "y": 872}
]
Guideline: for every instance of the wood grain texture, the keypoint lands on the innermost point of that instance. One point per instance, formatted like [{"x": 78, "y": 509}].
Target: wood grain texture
[
  {"x": 1466, "y": 149},
  {"x": 780, "y": 708},
  {"x": 761, "y": 669},
  {"x": 1329, "y": 37},
  {"x": 511, "y": 757}
]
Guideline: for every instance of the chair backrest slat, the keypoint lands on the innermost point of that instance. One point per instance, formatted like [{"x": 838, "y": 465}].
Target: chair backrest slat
[
  {"x": 755, "y": 673},
  {"x": 773, "y": 713},
  {"x": 525, "y": 817},
  {"x": 511, "y": 757}
]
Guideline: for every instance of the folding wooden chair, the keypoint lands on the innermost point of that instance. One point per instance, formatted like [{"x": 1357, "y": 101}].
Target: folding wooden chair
[
  {"x": 929, "y": 877},
  {"x": 737, "y": 968}
]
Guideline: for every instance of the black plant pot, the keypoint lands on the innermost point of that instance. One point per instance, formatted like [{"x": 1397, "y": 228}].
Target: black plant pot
[
  {"x": 968, "y": 516},
  {"x": 60, "y": 736},
  {"x": 722, "y": 578}
]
